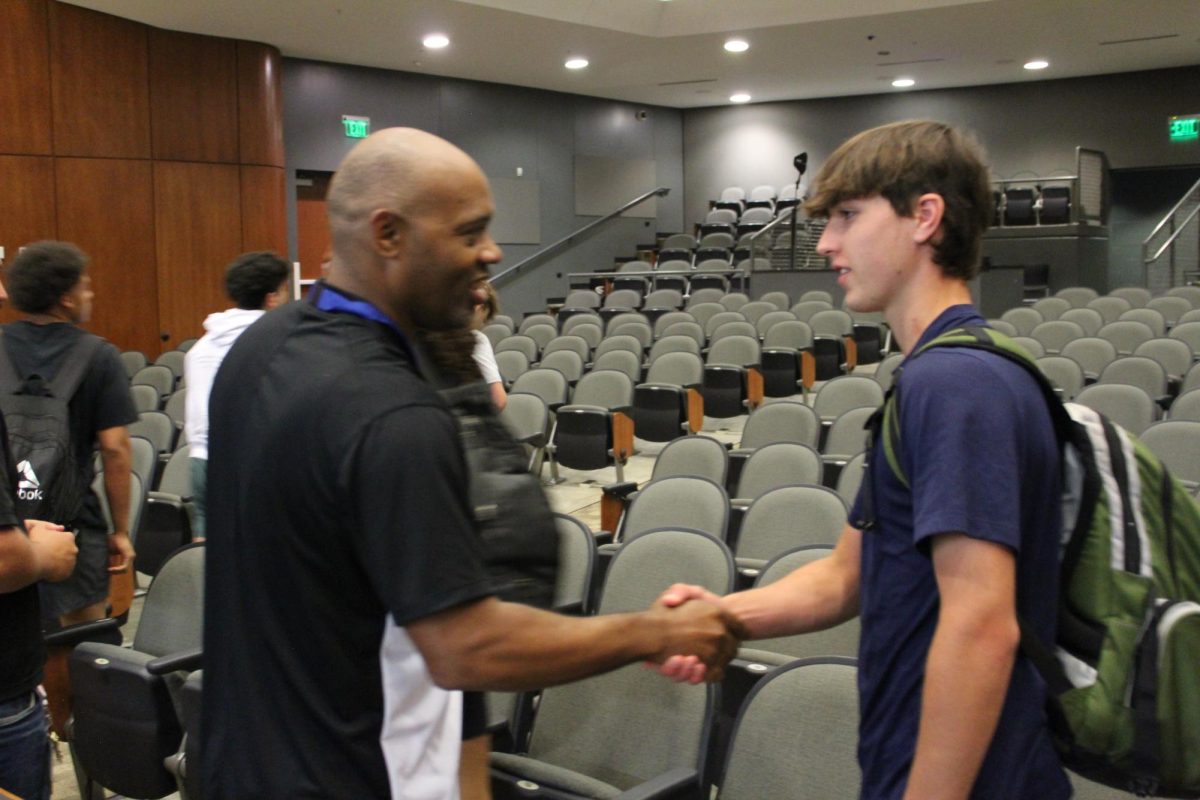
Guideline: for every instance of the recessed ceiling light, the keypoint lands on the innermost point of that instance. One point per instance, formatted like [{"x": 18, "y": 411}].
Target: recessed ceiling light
[
  {"x": 740, "y": 97},
  {"x": 435, "y": 41},
  {"x": 737, "y": 45},
  {"x": 576, "y": 63},
  {"x": 903, "y": 83},
  {"x": 1037, "y": 64}
]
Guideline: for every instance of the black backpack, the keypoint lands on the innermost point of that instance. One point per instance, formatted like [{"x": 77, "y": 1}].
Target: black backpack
[{"x": 50, "y": 485}]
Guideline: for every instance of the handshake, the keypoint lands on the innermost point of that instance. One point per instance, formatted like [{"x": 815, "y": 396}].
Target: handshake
[{"x": 699, "y": 635}]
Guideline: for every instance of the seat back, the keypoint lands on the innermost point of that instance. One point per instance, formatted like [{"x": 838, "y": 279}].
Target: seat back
[
  {"x": 733, "y": 301},
  {"x": 1023, "y": 319},
  {"x": 606, "y": 388},
  {"x": 677, "y": 369},
  {"x": 1051, "y": 308},
  {"x": 1189, "y": 293},
  {"x": 1111, "y": 307},
  {"x": 582, "y": 298},
  {"x": 848, "y": 434},
  {"x": 1065, "y": 373},
  {"x": 781, "y": 422},
  {"x": 845, "y": 392},
  {"x": 512, "y": 364},
  {"x": 850, "y": 479},
  {"x": 1149, "y": 317},
  {"x": 737, "y": 349},
  {"x": 496, "y": 333},
  {"x": 789, "y": 333},
  {"x": 624, "y": 342},
  {"x": 841, "y": 640},
  {"x": 723, "y": 318},
  {"x": 677, "y": 502},
  {"x": 521, "y": 344},
  {"x": 143, "y": 459},
  {"x": 133, "y": 360},
  {"x": 156, "y": 375},
  {"x": 779, "y": 299},
  {"x": 664, "y": 298},
  {"x": 1171, "y": 307},
  {"x": 575, "y": 344},
  {"x": 1087, "y": 318},
  {"x": 1176, "y": 442},
  {"x": 775, "y": 465},
  {"x": 172, "y": 615},
  {"x": 548, "y": 384},
  {"x": 172, "y": 360},
  {"x": 1186, "y": 406},
  {"x": 622, "y": 361},
  {"x": 668, "y": 319},
  {"x": 690, "y": 329},
  {"x": 1126, "y": 335},
  {"x": 157, "y": 427},
  {"x": 1092, "y": 353},
  {"x": 1189, "y": 334},
  {"x": 145, "y": 398},
  {"x": 1054, "y": 334},
  {"x": 788, "y": 517},
  {"x": 886, "y": 370},
  {"x": 1145, "y": 373},
  {"x": 755, "y": 309},
  {"x": 733, "y": 328},
  {"x": 1131, "y": 407},
  {"x": 1135, "y": 296},
  {"x": 1174, "y": 355},
  {"x": 796, "y": 735},
  {"x": 1077, "y": 296},
  {"x": 541, "y": 334},
  {"x": 639, "y": 330},
  {"x": 527, "y": 418},
  {"x": 576, "y": 561},
  {"x": 674, "y": 344},
  {"x": 693, "y": 456},
  {"x": 566, "y": 362},
  {"x": 770, "y": 320}
]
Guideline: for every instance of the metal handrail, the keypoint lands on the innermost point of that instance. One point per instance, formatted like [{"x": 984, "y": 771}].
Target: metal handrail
[
  {"x": 1171, "y": 239},
  {"x": 1186, "y": 196},
  {"x": 661, "y": 191}
]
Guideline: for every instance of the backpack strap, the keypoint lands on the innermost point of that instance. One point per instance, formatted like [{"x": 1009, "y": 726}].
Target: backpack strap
[
  {"x": 10, "y": 381},
  {"x": 70, "y": 372}
]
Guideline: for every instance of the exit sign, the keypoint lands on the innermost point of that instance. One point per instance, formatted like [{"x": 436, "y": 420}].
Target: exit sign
[
  {"x": 1183, "y": 129},
  {"x": 356, "y": 127}
]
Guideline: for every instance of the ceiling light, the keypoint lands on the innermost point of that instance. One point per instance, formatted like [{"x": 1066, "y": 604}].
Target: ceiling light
[
  {"x": 1037, "y": 64},
  {"x": 435, "y": 41},
  {"x": 740, "y": 97},
  {"x": 737, "y": 45},
  {"x": 576, "y": 63},
  {"x": 903, "y": 83}
]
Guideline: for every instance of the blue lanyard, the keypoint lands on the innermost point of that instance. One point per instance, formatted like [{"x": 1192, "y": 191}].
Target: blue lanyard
[{"x": 328, "y": 298}]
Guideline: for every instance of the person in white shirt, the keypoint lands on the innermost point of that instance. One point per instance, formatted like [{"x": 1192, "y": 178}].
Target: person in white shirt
[
  {"x": 256, "y": 283},
  {"x": 485, "y": 312}
]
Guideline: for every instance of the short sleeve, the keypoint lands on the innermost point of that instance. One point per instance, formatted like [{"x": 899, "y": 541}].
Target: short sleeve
[
  {"x": 962, "y": 429},
  {"x": 413, "y": 528},
  {"x": 114, "y": 403},
  {"x": 8, "y": 479},
  {"x": 485, "y": 358}
]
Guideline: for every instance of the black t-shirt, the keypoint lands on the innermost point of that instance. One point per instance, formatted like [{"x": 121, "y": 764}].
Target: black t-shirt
[
  {"x": 102, "y": 401},
  {"x": 336, "y": 512},
  {"x": 22, "y": 654}
]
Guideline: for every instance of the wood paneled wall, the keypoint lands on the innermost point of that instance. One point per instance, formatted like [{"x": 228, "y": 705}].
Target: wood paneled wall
[{"x": 159, "y": 153}]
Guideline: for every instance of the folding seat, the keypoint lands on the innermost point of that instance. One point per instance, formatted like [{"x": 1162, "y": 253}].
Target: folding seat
[
  {"x": 673, "y": 344},
  {"x": 1032, "y": 346},
  {"x": 1186, "y": 406},
  {"x": 670, "y": 318},
  {"x": 817, "y": 294},
  {"x": 1151, "y": 318},
  {"x": 1136, "y": 296},
  {"x": 167, "y": 519},
  {"x": 616, "y": 732},
  {"x": 778, "y": 422},
  {"x": 506, "y": 321},
  {"x": 678, "y": 501},
  {"x": 703, "y": 312},
  {"x": 1112, "y": 306},
  {"x": 528, "y": 420},
  {"x": 133, "y": 360},
  {"x": 1128, "y": 406},
  {"x": 786, "y": 517},
  {"x": 1077, "y": 296},
  {"x": 846, "y": 437},
  {"x": 698, "y": 296},
  {"x": 733, "y": 301},
  {"x": 844, "y": 393},
  {"x": 1087, "y": 318},
  {"x": 536, "y": 319},
  {"x": 158, "y": 428},
  {"x": 668, "y": 255},
  {"x": 733, "y": 376},
  {"x": 755, "y": 309},
  {"x": 761, "y": 197},
  {"x": 621, "y": 341},
  {"x": 805, "y": 309},
  {"x": 1145, "y": 373},
  {"x": 1092, "y": 353},
  {"x": 570, "y": 342},
  {"x": 779, "y": 750},
  {"x": 496, "y": 333},
  {"x": 158, "y": 376},
  {"x": 595, "y": 430},
  {"x": 834, "y": 346},
  {"x": 1190, "y": 293},
  {"x": 789, "y": 197},
  {"x": 713, "y": 240},
  {"x": 1050, "y": 308},
  {"x": 172, "y": 360},
  {"x": 886, "y": 370},
  {"x": 753, "y": 220},
  {"x": 548, "y": 384},
  {"x": 521, "y": 344},
  {"x": 769, "y": 319},
  {"x": 1126, "y": 335},
  {"x": 721, "y": 318},
  {"x": 1174, "y": 356},
  {"x": 632, "y": 276},
  {"x": 512, "y": 364},
  {"x": 628, "y": 315},
  {"x": 719, "y": 220},
  {"x": 1064, "y": 373},
  {"x": 584, "y": 317},
  {"x": 738, "y": 327},
  {"x": 576, "y": 562},
  {"x": 669, "y": 404},
  {"x": 622, "y": 361},
  {"x": 1189, "y": 334},
  {"x": 619, "y": 301},
  {"x": 689, "y": 329},
  {"x": 1024, "y": 319},
  {"x": 125, "y": 722},
  {"x": 565, "y": 361},
  {"x": 1055, "y": 205},
  {"x": 683, "y": 241},
  {"x": 1191, "y": 380},
  {"x": 582, "y": 298},
  {"x": 671, "y": 299},
  {"x": 710, "y": 273},
  {"x": 772, "y": 466},
  {"x": 869, "y": 335},
  {"x": 145, "y": 398},
  {"x": 638, "y": 329},
  {"x": 1007, "y": 328},
  {"x": 176, "y": 408},
  {"x": 687, "y": 456},
  {"x": 851, "y": 478},
  {"x": 1018, "y": 207},
  {"x": 732, "y": 194},
  {"x": 672, "y": 275},
  {"x": 1171, "y": 307},
  {"x": 1176, "y": 442}
]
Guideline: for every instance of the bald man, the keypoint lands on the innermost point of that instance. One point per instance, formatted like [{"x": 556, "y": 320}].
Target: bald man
[{"x": 346, "y": 597}]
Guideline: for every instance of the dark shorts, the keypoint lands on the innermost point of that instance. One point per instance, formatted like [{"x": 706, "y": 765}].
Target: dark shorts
[
  {"x": 87, "y": 585},
  {"x": 475, "y": 715}
]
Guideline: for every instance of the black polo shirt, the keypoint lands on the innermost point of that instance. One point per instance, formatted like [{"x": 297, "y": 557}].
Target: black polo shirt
[{"x": 337, "y": 513}]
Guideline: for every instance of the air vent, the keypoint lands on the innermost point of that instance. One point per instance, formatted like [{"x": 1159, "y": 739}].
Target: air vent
[
  {"x": 1143, "y": 39},
  {"x": 914, "y": 61},
  {"x": 688, "y": 83}
]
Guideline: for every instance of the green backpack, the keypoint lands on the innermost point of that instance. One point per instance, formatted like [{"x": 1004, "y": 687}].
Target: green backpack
[{"x": 1124, "y": 679}]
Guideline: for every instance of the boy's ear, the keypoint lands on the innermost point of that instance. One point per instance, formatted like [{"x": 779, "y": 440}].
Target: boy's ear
[{"x": 930, "y": 208}]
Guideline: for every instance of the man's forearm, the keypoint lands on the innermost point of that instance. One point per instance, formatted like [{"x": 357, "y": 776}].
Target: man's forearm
[
  {"x": 966, "y": 678},
  {"x": 117, "y": 469}
]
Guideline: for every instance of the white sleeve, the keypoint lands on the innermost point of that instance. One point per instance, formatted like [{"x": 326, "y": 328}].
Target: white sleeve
[{"x": 485, "y": 359}]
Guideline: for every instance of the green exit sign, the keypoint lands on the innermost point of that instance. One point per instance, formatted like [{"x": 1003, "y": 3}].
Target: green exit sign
[
  {"x": 1184, "y": 129},
  {"x": 356, "y": 127}
]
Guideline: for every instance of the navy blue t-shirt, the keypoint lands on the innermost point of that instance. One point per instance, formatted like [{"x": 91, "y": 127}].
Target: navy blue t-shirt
[{"x": 980, "y": 453}]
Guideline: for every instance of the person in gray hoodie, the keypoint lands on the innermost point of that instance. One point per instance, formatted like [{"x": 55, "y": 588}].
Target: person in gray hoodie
[{"x": 256, "y": 282}]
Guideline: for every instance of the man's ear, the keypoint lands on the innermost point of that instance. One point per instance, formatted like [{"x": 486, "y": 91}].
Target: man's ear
[
  {"x": 388, "y": 233},
  {"x": 929, "y": 210}
]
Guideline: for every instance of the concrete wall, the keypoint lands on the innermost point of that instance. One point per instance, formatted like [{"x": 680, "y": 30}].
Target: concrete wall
[{"x": 503, "y": 128}]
